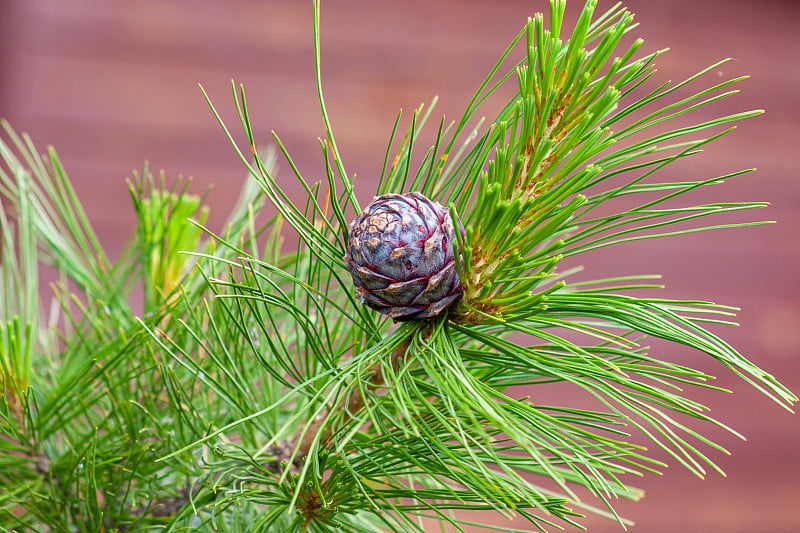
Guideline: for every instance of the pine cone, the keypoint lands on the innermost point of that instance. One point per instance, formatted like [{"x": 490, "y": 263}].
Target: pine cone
[{"x": 400, "y": 253}]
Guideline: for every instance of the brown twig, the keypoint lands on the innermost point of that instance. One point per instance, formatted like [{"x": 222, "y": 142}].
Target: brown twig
[
  {"x": 163, "y": 507},
  {"x": 306, "y": 435},
  {"x": 351, "y": 404}
]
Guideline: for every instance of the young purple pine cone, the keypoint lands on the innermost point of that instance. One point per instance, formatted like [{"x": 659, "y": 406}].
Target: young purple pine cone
[{"x": 400, "y": 252}]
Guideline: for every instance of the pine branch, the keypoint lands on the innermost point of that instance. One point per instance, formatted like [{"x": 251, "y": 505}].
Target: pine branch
[{"x": 261, "y": 391}]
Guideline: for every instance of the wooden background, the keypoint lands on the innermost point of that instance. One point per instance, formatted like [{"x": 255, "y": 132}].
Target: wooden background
[{"x": 113, "y": 83}]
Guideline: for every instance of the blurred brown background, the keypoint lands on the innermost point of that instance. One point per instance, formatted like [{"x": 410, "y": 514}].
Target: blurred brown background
[{"x": 111, "y": 84}]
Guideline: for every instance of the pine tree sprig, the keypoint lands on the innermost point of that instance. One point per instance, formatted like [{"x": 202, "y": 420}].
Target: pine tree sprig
[{"x": 254, "y": 391}]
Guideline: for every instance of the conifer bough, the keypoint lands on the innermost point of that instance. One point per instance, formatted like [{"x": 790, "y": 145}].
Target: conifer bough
[
  {"x": 400, "y": 253},
  {"x": 252, "y": 396}
]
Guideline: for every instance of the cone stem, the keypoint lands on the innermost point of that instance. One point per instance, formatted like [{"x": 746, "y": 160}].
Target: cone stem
[{"x": 350, "y": 404}]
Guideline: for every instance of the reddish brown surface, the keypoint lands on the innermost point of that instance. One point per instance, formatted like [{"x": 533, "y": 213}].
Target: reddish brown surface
[{"x": 112, "y": 83}]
